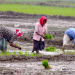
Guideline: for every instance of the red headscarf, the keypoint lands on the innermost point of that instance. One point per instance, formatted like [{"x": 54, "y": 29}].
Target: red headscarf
[
  {"x": 18, "y": 33},
  {"x": 42, "y": 19}
]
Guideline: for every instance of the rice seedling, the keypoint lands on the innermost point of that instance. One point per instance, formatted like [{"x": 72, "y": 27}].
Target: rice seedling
[
  {"x": 17, "y": 44},
  {"x": 45, "y": 64},
  {"x": 20, "y": 53},
  {"x": 47, "y": 36},
  {"x": 34, "y": 55},
  {"x": 7, "y": 53},
  {"x": 50, "y": 49},
  {"x": 74, "y": 52},
  {"x": 22, "y": 46},
  {"x": 71, "y": 52},
  {"x": 14, "y": 53},
  {"x": 27, "y": 53},
  {"x": 66, "y": 52},
  {"x": 2, "y": 53},
  {"x": 7, "y": 43}
]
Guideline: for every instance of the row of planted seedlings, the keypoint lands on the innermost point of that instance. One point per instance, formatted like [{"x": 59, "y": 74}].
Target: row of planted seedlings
[
  {"x": 52, "y": 49},
  {"x": 19, "y": 53}
]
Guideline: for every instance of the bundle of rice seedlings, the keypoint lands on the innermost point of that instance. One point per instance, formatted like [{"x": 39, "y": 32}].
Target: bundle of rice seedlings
[
  {"x": 47, "y": 36},
  {"x": 50, "y": 49},
  {"x": 45, "y": 64}
]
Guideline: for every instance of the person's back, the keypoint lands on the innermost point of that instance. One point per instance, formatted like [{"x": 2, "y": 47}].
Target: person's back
[
  {"x": 7, "y": 33},
  {"x": 71, "y": 33}
]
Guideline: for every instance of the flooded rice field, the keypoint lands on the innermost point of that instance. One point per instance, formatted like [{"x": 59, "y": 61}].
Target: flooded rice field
[{"x": 61, "y": 64}]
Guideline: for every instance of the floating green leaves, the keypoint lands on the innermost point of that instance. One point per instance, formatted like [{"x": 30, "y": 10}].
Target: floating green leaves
[{"x": 47, "y": 36}]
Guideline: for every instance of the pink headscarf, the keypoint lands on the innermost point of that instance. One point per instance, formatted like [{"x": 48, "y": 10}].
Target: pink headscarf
[
  {"x": 18, "y": 33},
  {"x": 42, "y": 19}
]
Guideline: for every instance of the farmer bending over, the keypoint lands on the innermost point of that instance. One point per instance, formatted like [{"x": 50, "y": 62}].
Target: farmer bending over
[
  {"x": 8, "y": 35},
  {"x": 69, "y": 38},
  {"x": 38, "y": 36}
]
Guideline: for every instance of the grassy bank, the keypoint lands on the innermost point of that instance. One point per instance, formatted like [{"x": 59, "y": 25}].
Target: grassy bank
[{"x": 38, "y": 9}]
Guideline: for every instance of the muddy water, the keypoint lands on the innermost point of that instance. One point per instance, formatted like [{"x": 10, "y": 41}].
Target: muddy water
[{"x": 33, "y": 66}]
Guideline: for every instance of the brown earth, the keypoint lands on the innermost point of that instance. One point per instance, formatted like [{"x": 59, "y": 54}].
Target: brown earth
[
  {"x": 9, "y": 19},
  {"x": 57, "y": 33}
]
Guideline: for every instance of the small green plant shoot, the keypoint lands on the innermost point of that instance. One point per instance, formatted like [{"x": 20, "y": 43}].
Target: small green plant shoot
[
  {"x": 17, "y": 44},
  {"x": 7, "y": 53},
  {"x": 47, "y": 36},
  {"x": 34, "y": 55},
  {"x": 7, "y": 43},
  {"x": 45, "y": 64},
  {"x": 14, "y": 53},
  {"x": 20, "y": 53},
  {"x": 27, "y": 53},
  {"x": 50, "y": 49}
]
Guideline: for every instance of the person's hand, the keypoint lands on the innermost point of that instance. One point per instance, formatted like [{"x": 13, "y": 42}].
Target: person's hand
[{"x": 43, "y": 36}]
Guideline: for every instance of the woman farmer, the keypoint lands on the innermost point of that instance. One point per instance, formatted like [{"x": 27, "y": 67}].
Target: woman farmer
[
  {"x": 69, "y": 38},
  {"x": 38, "y": 36},
  {"x": 8, "y": 35}
]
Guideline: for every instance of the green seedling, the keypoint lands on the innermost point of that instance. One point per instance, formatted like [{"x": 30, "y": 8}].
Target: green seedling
[
  {"x": 7, "y": 43},
  {"x": 27, "y": 53},
  {"x": 22, "y": 46},
  {"x": 71, "y": 52},
  {"x": 51, "y": 49},
  {"x": 45, "y": 64},
  {"x": 2, "y": 53},
  {"x": 20, "y": 53},
  {"x": 34, "y": 55},
  {"x": 17, "y": 44},
  {"x": 47, "y": 36},
  {"x": 14, "y": 53},
  {"x": 7, "y": 53},
  {"x": 67, "y": 52},
  {"x": 74, "y": 52}
]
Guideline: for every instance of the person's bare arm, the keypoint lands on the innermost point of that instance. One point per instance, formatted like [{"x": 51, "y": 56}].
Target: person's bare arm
[{"x": 11, "y": 44}]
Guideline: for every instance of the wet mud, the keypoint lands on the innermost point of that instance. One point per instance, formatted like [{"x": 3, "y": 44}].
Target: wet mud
[
  {"x": 23, "y": 58},
  {"x": 61, "y": 64}
]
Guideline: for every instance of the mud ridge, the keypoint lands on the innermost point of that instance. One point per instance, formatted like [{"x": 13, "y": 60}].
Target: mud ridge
[
  {"x": 16, "y": 15},
  {"x": 13, "y": 58}
]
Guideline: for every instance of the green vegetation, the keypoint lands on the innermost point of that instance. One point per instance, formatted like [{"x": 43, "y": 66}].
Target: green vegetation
[
  {"x": 27, "y": 53},
  {"x": 34, "y": 55},
  {"x": 45, "y": 64},
  {"x": 34, "y": 0},
  {"x": 38, "y": 9},
  {"x": 50, "y": 49},
  {"x": 5, "y": 53},
  {"x": 47, "y": 36},
  {"x": 20, "y": 53},
  {"x": 14, "y": 53},
  {"x": 7, "y": 43},
  {"x": 26, "y": 0}
]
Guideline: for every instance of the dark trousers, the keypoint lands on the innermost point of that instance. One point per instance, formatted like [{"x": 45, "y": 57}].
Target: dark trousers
[{"x": 38, "y": 45}]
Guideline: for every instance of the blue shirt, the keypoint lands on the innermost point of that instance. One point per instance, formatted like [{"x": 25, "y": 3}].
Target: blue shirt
[{"x": 71, "y": 33}]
